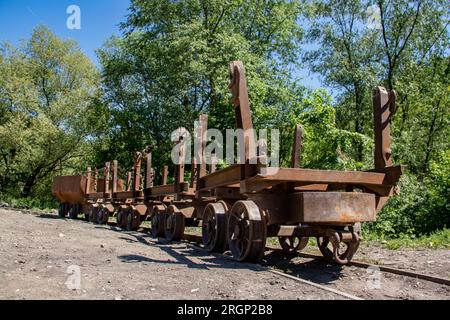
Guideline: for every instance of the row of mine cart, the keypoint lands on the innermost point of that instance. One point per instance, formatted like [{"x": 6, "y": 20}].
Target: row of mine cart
[{"x": 240, "y": 206}]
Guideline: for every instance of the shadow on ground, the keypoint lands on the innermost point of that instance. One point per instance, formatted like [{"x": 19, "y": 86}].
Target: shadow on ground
[{"x": 315, "y": 270}]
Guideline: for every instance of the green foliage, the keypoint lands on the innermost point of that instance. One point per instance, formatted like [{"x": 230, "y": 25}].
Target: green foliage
[
  {"x": 324, "y": 145},
  {"x": 423, "y": 205},
  {"x": 408, "y": 52},
  {"x": 172, "y": 65},
  {"x": 436, "y": 240},
  {"x": 48, "y": 109}
]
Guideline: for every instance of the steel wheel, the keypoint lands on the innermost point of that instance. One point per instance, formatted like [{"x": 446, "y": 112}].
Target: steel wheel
[
  {"x": 120, "y": 218},
  {"x": 74, "y": 209},
  {"x": 103, "y": 216},
  {"x": 333, "y": 249},
  {"x": 62, "y": 210},
  {"x": 174, "y": 224},
  {"x": 87, "y": 213},
  {"x": 293, "y": 244},
  {"x": 158, "y": 219},
  {"x": 133, "y": 219},
  {"x": 93, "y": 214},
  {"x": 214, "y": 227},
  {"x": 247, "y": 231}
]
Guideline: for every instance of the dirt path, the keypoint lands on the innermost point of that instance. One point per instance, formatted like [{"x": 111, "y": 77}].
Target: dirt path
[{"x": 38, "y": 253}]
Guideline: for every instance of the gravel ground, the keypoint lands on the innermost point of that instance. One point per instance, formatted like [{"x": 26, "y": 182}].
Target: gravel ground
[{"x": 38, "y": 253}]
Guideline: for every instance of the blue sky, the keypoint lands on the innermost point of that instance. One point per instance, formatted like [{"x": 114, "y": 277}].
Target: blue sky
[{"x": 99, "y": 21}]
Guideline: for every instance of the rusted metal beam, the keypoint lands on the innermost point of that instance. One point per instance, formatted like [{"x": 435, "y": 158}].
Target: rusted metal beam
[
  {"x": 202, "y": 135},
  {"x": 95, "y": 179},
  {"x": 168, "y": 189},
  {"x": 106, "y": 176},
  {"x": 240, "y": 101},
  {"x": 137, "y": 171},
  {"x": 333, "y": 207},
  {"x": 123, "y": 195},
  {"x": 179, "y": 166},
  {"x": 88, "y": 180},
  {"x": 194, "y": 173},
  {"x": 383, "y": 100},
  {"x": 239, "y": 91},
  {"x": 298, "y": 176},
  {"x": 129, "y": 175},
  {"x": 222, "y": 178},
  {"x": 148, "y": 168},
  {"x": 114, "y": 176},
  {"x": 165, "y": 174}
]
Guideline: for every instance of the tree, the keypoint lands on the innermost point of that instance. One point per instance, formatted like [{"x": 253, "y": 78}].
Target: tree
[
  {"x": 347, "y": 58},
  {"x": 407, "y": 51},
  {"x": 171, "y": 64},
  {"x": 49, "y": 107}
]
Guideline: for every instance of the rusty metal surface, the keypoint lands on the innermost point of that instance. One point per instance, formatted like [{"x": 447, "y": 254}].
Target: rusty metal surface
[
  {"x": 383, "y": 100},
  {"x": 141, "y": 209},
  {"x": 296, "y": 149},
  {"x": 69, "y": 189},
  {"x": 300, "y": 177},
  {"x": 222, "y": 178},
  {"x": 333, "y": 207}
]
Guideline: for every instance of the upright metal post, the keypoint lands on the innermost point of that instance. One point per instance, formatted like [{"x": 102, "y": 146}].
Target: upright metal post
[
  {"x": 114, "y": 177},
  {"x": 107, "y": 167},
  {"x": 88, "y": 180},
  {"x": 165, "y": 174},
  {"x": 382, "y": 101}
]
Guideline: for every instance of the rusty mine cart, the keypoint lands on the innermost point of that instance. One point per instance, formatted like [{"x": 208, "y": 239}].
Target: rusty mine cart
[{"x": 243, "y": 204}]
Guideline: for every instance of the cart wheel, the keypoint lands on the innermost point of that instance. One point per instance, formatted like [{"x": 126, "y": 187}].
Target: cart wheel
[
  {"x": 133, "y": 220},
  {"x": 214, "y": 227},
  {"x": 62, "y": 210},
  {"x": 93, "y": 214},
  {"x": 293, "y": 244},
  {"x": 103, "y": 216},
  {"x": 87, "y": 213},
  {"x": 73, "y": 211},
  {"x": 158, "y": 219},
  {"x": 247, "y": 231},
  {"x": 174, "y": 226},
  {"x": 333, "y": 249},
  {"x": 120, "y": 218}
]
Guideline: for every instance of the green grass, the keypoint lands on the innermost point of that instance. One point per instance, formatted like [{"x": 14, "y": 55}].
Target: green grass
[{"x": 437, "y": 240}]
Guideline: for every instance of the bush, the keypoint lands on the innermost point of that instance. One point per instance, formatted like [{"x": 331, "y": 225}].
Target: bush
[
  {"x": 30, "y": 203},
  {"x": 423, "y": 205}
]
